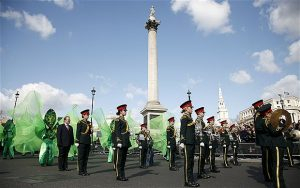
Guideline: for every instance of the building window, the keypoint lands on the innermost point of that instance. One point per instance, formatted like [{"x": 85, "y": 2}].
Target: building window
[
  {"x": 288, "y": 101},
  {"x": 277, "y": 102}
]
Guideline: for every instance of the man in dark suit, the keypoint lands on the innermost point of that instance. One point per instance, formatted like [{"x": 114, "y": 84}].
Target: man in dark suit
[{"x": 65, "y": 139}]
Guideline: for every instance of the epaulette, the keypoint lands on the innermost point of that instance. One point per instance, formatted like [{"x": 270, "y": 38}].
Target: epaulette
[{"x": 184, "y": 116}]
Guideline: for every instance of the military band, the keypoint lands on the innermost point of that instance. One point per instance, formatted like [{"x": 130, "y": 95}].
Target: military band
[{"x": 206, "y": 137}]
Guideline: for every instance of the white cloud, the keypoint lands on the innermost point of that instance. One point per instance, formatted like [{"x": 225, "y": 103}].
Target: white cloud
[
  {"x": 13, "y": 15},
  {"x": 208, "y": 15},
  {"x": 266, "y": 62},
  {"x": 132, "y": 91},
  {"x": 289, "y": 83},
  {"x": 104, "y": 84},
  {"x": 241, "y": 77},
  {"x": 51, "y": 97},
  {"x": 37, "y": 22},
  {"x": 66, "y": 4},
  {"x": 283, "y": 16},
  {"x": 294, "y": 53},
  {"x": 259, "y": 3}
]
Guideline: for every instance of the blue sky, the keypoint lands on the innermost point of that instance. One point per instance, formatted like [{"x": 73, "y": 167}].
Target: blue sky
[{"x": 64, "y": 48}]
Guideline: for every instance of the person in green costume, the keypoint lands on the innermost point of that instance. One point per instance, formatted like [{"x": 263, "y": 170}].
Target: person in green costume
[
  {"x": 9, "y": 132},
  {"x": 46, "y": 155},
  {"x": 111, "y": 144}
]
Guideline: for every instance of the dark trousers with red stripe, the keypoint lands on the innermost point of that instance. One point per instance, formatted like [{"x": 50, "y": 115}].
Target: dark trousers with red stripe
[
  {"x": 120, "y": 161},
  {"x": 277, "y": 167},
  {"x": 189, "y": 150},
  {"x": 266, "y": 162}
]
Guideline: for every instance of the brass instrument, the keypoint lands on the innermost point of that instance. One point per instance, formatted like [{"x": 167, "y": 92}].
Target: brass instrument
[
  {"x": 295, "y": 134},
  {"x": 277, "y": 118}
]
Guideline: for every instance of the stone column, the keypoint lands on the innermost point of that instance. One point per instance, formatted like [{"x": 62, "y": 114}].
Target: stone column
[
  {"x": 152, "y": 67},
  {"x": 153, "y": 107}
]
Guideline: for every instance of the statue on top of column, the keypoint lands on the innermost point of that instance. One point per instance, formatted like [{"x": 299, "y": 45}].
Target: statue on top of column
[{"x": 152, "y": 13}]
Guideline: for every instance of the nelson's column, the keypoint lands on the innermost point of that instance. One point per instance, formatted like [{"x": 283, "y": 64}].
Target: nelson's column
[{"x": 153, "y": 107}]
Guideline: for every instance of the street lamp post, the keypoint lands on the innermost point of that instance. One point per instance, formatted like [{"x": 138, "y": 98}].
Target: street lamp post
[
  {"x": 16, "y": 96},
  {"x": 281, "y": 100},
  {"x": 189, "y": 94},
  {"x": 93, "y": 91}
]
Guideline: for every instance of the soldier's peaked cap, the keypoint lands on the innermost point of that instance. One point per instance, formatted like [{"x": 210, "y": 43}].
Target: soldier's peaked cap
[
  {"x": 212, "y": 118},
  {"x": 265, "y": 108},
  {"x": 143, "y": 125},
  {"x": 223, "y": 122},
  {"x": 257, "y": 104},
  {"x": 122, "y": 107},
  {"x": 85, "y": 112},
  {"x": 186, "y": 104},
  {"x": 199, "y": 110},
  {"x": 171, "y": 119}
]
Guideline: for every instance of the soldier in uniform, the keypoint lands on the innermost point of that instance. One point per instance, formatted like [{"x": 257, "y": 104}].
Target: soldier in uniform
[
  {"x": 187, "y": 142},
  {"x": 235, "y": 144},
  {"x": 278, "y": 144},
  {"x": 213, "y": 143},
  {"x": 171, "y": 143},
  {"x": 202, "y": 143},
  {"x": 263, "y": 139},
  {"x": 83, "y": 141},
  {"x": 143, "y": 145},
  {"x": 225, "y": 142},
  {"x": 123, "y": 142}
]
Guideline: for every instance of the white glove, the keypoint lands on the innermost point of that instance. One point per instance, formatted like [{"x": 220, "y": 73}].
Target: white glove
[
  {"x": 119, "y": 145},
  {"x": 76, "y": 144},
  {"x": 168, "y": 146},
  {"x": 202, "y": 144},
  {"x": 114, "y": 148},
  {"x": 140, "y": 147},
  {"x": 224, "y": 146},
  {"x": 181, "y": 145},
  {"x": 210, "y": 147},
  {"x": 234, "y": 146}
]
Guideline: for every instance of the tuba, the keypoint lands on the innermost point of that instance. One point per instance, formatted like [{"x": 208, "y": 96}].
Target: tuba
[
  {"x": 295, "y": 134},
  {"x": 281, "y": 118}
]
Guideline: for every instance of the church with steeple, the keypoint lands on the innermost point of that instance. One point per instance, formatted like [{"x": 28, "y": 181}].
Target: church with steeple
[{"x": 222, "y": 110}]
